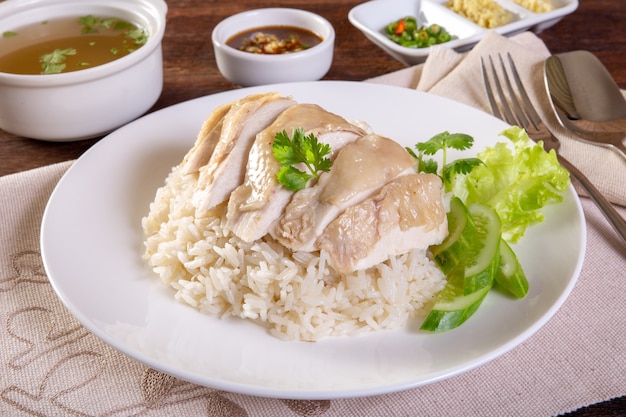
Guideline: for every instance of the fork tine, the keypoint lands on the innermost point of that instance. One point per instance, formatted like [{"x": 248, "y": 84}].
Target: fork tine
[
  {"x": 506, "y": 113},
  {"x": 492, "y": 100},
  {"x": 518, "y": 111},
  {"x": 535, "y": 119},
  {"x": 510, "y": 109}
]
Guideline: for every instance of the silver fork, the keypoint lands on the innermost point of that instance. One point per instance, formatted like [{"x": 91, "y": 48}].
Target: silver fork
[{"x": 525, "y": 116}]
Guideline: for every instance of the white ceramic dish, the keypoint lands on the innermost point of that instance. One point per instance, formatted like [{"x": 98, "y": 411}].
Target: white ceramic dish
[
  {"x": 372, "y": 17},
  {"x": 91, "y": 242},
  {"x": 91, "y": 102},
  {"x": 248, "y": 69}
]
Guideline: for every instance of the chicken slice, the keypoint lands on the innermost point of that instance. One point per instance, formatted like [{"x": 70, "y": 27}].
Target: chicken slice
[
  {"x": 206, "y": 140},
  {"x": 360, "y": 169},
  {"x": 256, "y": 204},
  {"x": 408, "y": 213},
  {"x": 225, "y": 170}
]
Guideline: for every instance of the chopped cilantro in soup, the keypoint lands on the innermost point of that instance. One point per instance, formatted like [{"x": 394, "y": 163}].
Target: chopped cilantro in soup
[{"x": 68, "y": 44}]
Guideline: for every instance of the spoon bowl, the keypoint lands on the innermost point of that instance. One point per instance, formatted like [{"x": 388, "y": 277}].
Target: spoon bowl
[{"x": 586, "y": 99}]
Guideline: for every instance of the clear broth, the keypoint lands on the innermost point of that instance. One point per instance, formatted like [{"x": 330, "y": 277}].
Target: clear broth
[{"x": 27, "y": 45}]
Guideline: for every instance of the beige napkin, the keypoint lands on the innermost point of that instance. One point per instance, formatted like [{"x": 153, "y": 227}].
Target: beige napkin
[
  {"x": 450, "y": 74},
  {"x": 51, "y": 366}
]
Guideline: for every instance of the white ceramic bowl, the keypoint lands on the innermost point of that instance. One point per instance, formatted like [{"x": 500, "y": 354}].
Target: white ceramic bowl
[
  {"x": 371, "y": 18},
  {"x": 90, "y": 102},
  {"x": 248, "y": 69}
]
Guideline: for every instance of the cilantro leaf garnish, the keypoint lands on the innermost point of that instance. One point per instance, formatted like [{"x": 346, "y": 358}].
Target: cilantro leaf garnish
[
  {"x": 54, "y": 62},
  {"x": 442, "y": 142},
  {"x": 460, "y": 166},
  {"x": 91, "y": 24},
  {"x": 139, "y": 35},
  {"x": 300, "y": 149}
]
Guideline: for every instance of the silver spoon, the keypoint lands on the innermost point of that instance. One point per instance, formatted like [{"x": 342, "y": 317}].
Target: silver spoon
[{"x": 586, "y": 99}]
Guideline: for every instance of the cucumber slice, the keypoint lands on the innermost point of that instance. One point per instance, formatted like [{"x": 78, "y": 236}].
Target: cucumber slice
[
  {"x": 483, "y": 257},
  {"x": 474, "y": 238},
  {"x": 510, "y": 277},
  {"x": 475, "y": 257},
  {"x": 461, "y": 234},
  {"x": 452, "y": 307}
]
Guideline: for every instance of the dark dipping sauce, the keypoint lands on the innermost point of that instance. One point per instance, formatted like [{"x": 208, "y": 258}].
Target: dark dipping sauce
[{"x": 274, "y": 40}]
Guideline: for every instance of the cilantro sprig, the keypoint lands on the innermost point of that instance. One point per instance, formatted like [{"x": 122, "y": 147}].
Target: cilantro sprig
[
  {"x": 54, "y": 62},
  {"x": 442, "y": 142},
  {"x": 91, "y": 24},
  {"x": 299, "y": 149}
]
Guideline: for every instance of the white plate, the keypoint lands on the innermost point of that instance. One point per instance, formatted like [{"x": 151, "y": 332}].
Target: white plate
[
  {"x": 91, "y": 242},
  {"x": 372, "y": 17}
]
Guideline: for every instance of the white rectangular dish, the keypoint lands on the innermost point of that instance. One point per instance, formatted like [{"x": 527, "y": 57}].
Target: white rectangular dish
[{"x": 373, "y": 16}]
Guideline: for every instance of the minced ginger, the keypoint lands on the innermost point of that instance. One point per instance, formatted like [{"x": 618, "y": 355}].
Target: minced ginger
[
  {"x": 485, "y": 13},
  {"x": 537, "y": 6},
  {"x": 490, "y": 14}
]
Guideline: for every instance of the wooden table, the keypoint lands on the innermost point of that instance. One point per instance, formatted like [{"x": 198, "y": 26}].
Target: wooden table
[{"x": 190, "y": 72}]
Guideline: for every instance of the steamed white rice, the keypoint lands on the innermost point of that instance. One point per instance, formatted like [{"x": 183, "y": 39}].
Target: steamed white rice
[{"x": 296, "y": 295}]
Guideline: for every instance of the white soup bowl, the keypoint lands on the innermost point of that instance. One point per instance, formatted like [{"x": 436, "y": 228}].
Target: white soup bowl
[{"x": 90, "y": 102}]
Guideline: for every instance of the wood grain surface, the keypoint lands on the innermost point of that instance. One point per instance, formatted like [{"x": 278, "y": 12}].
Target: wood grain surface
[{"x": 190, "y": 70}]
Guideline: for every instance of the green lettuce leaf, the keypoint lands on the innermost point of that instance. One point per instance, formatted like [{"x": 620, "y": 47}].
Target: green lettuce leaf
[{"x": 516, "y": 182}]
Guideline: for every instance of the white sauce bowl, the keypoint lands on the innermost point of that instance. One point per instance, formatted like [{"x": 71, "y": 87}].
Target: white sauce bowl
[
  {"x": 249, "y": 69},
  {"x": 91, "y": 102}
]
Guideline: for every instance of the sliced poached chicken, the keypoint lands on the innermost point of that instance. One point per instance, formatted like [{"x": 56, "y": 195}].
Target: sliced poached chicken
[
  {"x": 225, "y": 169},
  {"x": 360, "y": 169},
  {"x": 256, "y": 204},
  {"x": 207, "y": 139},
  {"x": 371, "y": 205},
  {"x": 407, "y": 213}
]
